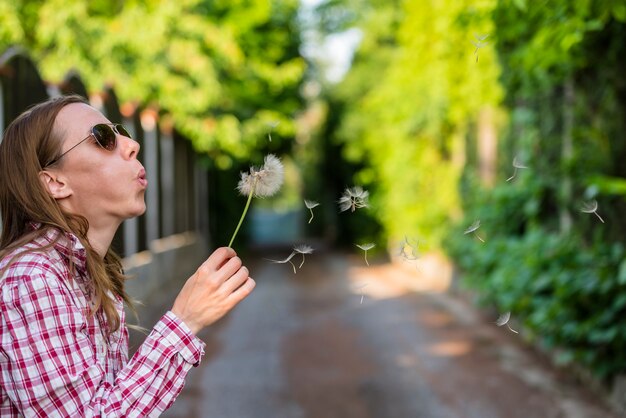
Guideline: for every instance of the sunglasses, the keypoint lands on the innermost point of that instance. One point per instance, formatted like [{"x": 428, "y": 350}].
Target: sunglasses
[{"x": 105, "y": 135}]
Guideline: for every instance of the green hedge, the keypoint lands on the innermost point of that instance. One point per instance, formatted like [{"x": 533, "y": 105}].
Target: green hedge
[{"x": 565, "y": 293}]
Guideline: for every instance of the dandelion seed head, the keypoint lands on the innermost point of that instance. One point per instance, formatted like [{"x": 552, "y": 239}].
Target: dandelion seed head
[
  {"x": 408, "y": 251},
  {"x": 366, "y": 246},
  {"x": 590, "y": 207},
  {"x": 286, "y": 260},
  {"x": 310, "y": 204},
  {"x": 473, "y": 227},
  {"x": 481, "y": 37},
  {"x": 503, "y": 319},
  {"x": 479, "y": 44},
  {"x": 303, "y": 249},
  {"x": 517, "y": 164},
  {"x": 264, "y": 181},
  {"x": 353, "y": 198}
]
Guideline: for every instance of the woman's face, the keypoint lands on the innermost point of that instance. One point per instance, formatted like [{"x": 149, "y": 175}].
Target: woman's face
[{"x": 106, "y": 187}]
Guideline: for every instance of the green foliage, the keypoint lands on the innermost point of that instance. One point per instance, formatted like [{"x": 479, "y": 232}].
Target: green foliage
[
  {"x": 413, "y": 92},
  {"x": 225, "y": 71},
  {"x": 566, "y": 295},
  {"x": 561, "y": 70}
]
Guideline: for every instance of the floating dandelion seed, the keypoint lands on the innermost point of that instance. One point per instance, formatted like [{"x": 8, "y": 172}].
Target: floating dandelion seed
[
  {"x": 361, "y": 292},
  {"x": 303, "y": 249},
  {"x": 271, "y": 125},
  {"x": 310, "y": 205},
  {"x": 591, "y": 207},
  {"x": 478, "y": 43},
  {"x": 473, "y": 228},
  {"x": 504, "y": 319},
  {"x": 260, "y": 182},
  {"x": 408, "y": 251},
  {"x": 516, "y": 165},
  {"x": 353, "y": 198},
  {"x": 286, "y": 260},
  {"x": 365, "y": 247}
]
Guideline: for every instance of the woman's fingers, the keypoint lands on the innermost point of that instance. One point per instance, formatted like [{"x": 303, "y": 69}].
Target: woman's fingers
[
  {"x": 217, "y": 259},
  {"x": 229, "y": 268},
  {"x": 243, "y": 291},
  {"x": 236, "y": 280}
]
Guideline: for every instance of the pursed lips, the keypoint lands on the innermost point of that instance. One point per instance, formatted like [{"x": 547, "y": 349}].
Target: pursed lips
[{"x": 141, "y": 177}]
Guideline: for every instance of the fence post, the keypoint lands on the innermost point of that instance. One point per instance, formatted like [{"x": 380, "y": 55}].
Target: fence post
[
  {"x": 167, "y": 182},
  {"x": 151, "y": 163}
]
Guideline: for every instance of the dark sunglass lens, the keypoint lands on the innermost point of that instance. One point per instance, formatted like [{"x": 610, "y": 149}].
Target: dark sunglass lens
[
  {"x": 105, "y": 136},
  {"x": 122, "y": 130}
]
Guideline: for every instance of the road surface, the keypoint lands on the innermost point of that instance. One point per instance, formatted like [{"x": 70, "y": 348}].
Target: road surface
[{"x": 343, "y": 339}]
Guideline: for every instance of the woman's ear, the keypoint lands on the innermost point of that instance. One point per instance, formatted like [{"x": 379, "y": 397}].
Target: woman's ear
[{"x": 55, "y": 184}]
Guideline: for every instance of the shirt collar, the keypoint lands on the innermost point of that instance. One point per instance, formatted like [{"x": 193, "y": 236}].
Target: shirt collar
[{"x": 67, "y": 244}]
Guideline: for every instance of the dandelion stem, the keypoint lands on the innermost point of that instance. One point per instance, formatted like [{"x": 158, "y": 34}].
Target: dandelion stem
[
  {"x": 243, "y": 215},
  {"x": 311, "y": 210},
  {"x": 294, "y": 267},
  {"x": 301, "y": 264},
  {"x": 366, "y": 262},
  {"x": 479, "y": 238},
  {"x": 599, "y": 217}
]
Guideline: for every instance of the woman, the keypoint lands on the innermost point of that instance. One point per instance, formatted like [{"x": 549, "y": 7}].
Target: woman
[{"x": 68, "y": 179}]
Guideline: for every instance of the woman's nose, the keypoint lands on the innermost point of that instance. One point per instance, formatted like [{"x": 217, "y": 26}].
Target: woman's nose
[{"x": 130, "y": 147}]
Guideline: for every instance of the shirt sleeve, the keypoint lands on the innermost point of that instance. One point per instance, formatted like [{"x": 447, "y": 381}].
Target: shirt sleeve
[{"x": 50, "y": 368}]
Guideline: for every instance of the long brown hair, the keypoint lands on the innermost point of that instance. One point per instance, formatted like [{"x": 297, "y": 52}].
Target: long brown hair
[{"x": 30, "y": 143}]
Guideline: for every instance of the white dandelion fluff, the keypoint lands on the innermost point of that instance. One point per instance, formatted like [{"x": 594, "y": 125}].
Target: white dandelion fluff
[
  {"x": 479, "y": 43},
  {"x": 303, "y": 249},
  {"x": 591, "y": 207},
  {"x": 473, "y": 228},
  {"x": 353, "y": 198},
  {"x": 286, "y": 260},
  {"x": 408, "y": 251},
  {"x": 271, "y": 125},
  {"x": 504, "y": 320},
  {"x": 360, "y": 287},
  {"x": 260, "y": 182},
  {"x": 365, "y": 247},
  {"x": 310, "y": 204},
  {"x": 516, "y": 165},
  {"x": 264, "y": 181}
]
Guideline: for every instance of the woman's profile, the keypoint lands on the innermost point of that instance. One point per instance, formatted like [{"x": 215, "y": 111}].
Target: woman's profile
[{"x": 68, "y": 179}]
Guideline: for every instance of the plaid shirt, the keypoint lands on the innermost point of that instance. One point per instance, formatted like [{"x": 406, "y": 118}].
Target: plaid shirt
[{"x": 55, "y": 360}]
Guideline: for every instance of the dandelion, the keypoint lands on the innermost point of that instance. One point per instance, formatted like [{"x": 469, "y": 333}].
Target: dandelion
[
  {"x": 260, "y": 182},
  {"x": 361, "y": 292},
  {"x": 365, "y": 247},
  {"x": 303, "y": 249},
  {"x": 478, "y": 43},
  {"x": 591, "y": 207},
  {"x": 516, "y": 165},
  {"x": 473, "y": 228},
  {"x": 271, "y": 125},
  {"x": 310, "y": 205},
  {"x": 504, "y": 319},
  {"x": 353, "y": 198},
  {"x": 286, "y": 260},
  {"x": 408, "y": 251}
]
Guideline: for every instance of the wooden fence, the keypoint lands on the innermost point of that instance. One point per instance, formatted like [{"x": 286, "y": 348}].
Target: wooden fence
[{"x": 177, "y": 195}]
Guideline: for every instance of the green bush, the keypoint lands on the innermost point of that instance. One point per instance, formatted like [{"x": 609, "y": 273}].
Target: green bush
[{"x": 567, "y": 294}]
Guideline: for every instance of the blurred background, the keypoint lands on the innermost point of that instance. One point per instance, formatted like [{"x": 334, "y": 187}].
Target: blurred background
[{"x": 490, "y": 135}]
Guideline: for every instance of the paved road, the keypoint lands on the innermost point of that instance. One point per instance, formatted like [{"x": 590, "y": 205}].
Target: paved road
[{"x": 341, "y": 339}]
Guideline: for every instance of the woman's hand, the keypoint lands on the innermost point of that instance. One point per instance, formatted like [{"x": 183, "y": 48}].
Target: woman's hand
[{"x": 215, "y": 288}]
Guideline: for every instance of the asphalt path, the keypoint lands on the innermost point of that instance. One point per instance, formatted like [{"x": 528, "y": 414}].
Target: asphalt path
[{"x": 343, "y": 339}]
